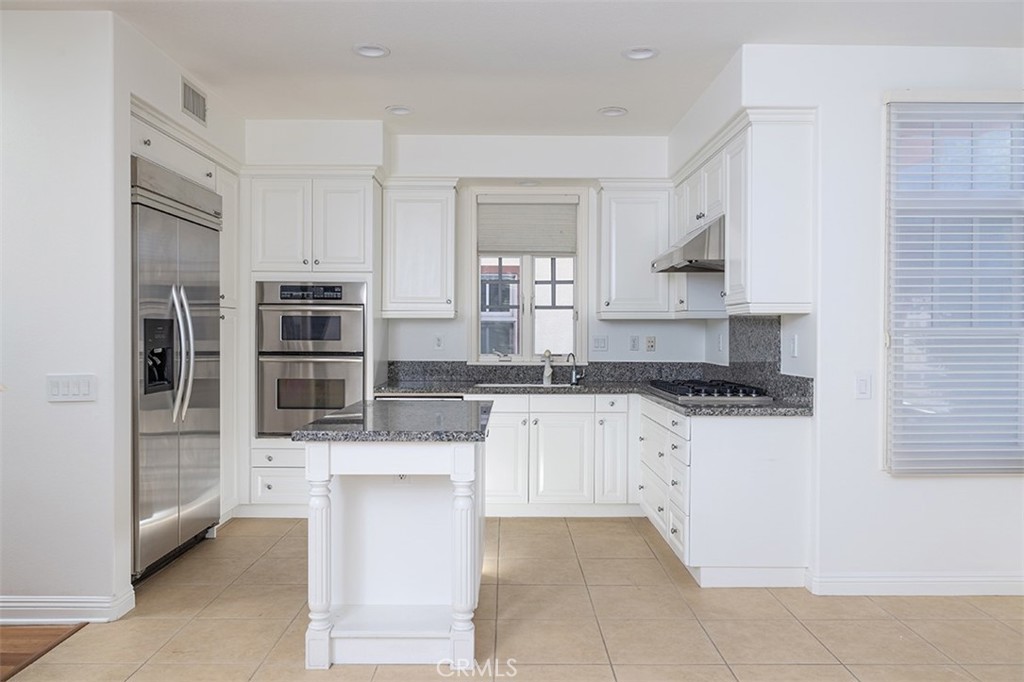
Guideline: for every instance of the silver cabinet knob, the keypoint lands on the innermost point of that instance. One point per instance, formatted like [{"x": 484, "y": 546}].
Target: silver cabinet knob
[
  {"x": 222, "y": 297},
  {"x": 611, "y": 403},
  {"x": 270, "y": 458},
  {"x": 640, "y": 487},
  {"x": 535, "y": 422},
  {"x": 147, "y": 142},
  {"x": 661, "y": 509},
  {"x": 209, "y": 174},
  {"x": 305, "y": 261},
  {"x": 270, "y": 487},
  {"x": 448, "y": 301},
  {"x": 222, "y": 317},
  {"x": 674, "y": 446},
  {"x": 681, "y": 301},
  {"x": 674, "y": 482},
  {"x": 721, "y": 294},
  {"x": 606, "y": 304},
  {"x": 487, "y": 433},
  {"x": 661, "y": 454},
  {"x": 524, "y": 422},
  {"x": 675, "y": 422},
  {"x": 673, "y": 531},
  {"x": 316, "y": 261},
  {"x": 601, "y": 422},
  {"x": 641, "y": 439}
]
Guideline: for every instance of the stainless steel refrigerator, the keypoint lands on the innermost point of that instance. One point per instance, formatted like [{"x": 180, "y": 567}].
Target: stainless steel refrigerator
[{"x": 176, "y": 360}]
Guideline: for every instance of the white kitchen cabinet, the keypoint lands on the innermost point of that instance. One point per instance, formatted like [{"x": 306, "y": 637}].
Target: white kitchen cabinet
[
  {"x": 769, "y": 216},
  {"x": 561, "y": 457},
  {"x": 312, "y": 224},
  {"x": 227, "y": 188},
  {"x": 507, "y": 458},
  {"x": 700, "y": 199},
  {"x": 634, "y": 230},
  {"x": 154, "y": 145},
  {"x": 280, "y": 486},
  {"x": 228, "y": 409},
  {"x": 611, "y": 444},
  {"x": 419, "y": 252}
]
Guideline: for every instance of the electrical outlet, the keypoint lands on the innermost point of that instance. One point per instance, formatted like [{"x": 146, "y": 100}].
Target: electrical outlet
[
  {"x": 651, "y": 343},
  {"x": 438, "y": 341},
  {"x": 599, "y": 343},
  {"x": 634, "y": 343}
]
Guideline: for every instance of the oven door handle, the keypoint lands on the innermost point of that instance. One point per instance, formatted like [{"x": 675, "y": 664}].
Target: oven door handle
[
  {"x": 307, "y": 358},
  {"x": 181, "y": 362},
  {"x": 301, "y": 308}
]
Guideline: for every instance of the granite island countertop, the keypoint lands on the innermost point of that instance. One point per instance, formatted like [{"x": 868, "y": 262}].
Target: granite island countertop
[
  {"x": 436, "y": 421},
  {"x": 779, "y": 408}
]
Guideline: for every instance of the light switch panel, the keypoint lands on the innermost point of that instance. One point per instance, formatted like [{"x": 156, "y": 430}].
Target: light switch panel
[
  {"x": 68, "y": 388},
  {"x": 863, "y": 386}
]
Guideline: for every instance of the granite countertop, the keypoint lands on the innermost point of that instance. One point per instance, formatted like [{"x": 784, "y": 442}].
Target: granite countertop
[
  {"x": 435, "y": 421},
  {"x": 779, "y": 408}
]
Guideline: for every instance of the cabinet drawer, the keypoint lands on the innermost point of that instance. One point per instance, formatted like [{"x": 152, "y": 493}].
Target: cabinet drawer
[
  {"x": 654, "y": 498},
  {"x": 280, "y": 457},
  {"x": 503, "y": 402},
  {"x": 561, "y": 403},
  {"x": 655, "y": 444},
  {"x": 670, "y": 419},
  {"x": 611, "y": 403},
  {"x": 679, "y": 485},
  {"x": 150, "y": 143},
  {"x": 677, "y": 531},
  {"x": 279, "y": 486}
]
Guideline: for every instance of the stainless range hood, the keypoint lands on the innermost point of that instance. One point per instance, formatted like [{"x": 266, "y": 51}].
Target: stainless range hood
[{"x": 704, "y": 251}]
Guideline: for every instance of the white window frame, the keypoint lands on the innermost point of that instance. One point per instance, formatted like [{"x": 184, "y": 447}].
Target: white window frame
[
  {"x": 950, "y": 466},
  {"x": 581, "y": 285}
]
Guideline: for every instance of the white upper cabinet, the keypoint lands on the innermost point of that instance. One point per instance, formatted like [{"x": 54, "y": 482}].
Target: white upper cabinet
[
  {"x": 769, "y": 216},
  {"x": 635, "y": 224},
  {"x": 227, "y": 188},
  {"x": 700, "y": 198},
  {"x": 318, "y": 225},
  {"x": 151, "y": 144},
  {"x": 634, "y": 230},
  {"x": 419, "y": 251}
]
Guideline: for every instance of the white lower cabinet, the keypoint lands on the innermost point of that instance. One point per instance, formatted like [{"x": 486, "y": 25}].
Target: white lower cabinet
[
  {"x": 561, "y": 457},
  {"x": 279, "y": 485},
  {"x": 729, "y": 494},
  {"x": 556, "y": 449}
]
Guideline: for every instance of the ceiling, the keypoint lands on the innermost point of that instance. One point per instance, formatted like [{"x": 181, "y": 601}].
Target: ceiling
[{"x": 512, "y": 66}]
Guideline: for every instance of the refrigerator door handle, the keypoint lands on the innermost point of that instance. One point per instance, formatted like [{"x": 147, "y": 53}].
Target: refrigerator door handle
[
  {"x": 191, "y": 353},
  {"x": 181, "y": 344}
]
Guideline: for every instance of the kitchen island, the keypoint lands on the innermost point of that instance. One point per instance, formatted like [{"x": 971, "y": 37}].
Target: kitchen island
[{"x": 396, "y": 522}]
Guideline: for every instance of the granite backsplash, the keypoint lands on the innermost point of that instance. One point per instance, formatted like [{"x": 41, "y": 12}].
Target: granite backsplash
[{"x": 754, "y": 351}]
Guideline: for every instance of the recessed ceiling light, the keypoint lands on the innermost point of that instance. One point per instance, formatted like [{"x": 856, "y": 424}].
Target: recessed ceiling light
[
  {"x": 371, "y": 50},
  {"x": 640, "y": 53},
  {"x": 613, "y": 111},
  {"x": 398, "y": 110}
]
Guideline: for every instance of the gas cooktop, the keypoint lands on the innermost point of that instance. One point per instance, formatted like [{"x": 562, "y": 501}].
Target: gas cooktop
[{"x": 694, "y": 392}]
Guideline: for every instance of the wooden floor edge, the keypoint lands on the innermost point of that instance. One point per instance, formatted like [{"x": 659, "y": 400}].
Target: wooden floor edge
[{"x": 14, "y": 670}]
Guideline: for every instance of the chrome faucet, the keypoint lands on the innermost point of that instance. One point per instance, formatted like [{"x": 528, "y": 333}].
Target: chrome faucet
[{"x": 576, "y": 375}]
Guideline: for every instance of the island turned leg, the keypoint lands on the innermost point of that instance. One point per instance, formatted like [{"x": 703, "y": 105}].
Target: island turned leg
[
  {"x": 318, "y": 634},
  {"x": 464, "y": 524}
]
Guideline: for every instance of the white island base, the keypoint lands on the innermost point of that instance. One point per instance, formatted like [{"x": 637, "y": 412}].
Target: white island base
[{"x": 395, "y": 552}]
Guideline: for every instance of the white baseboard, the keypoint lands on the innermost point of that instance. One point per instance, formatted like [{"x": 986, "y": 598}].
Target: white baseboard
[
  {"x": 731, "y": 576},
  {"x": 939, "y": 584},
  {"x": 37, "y": 610},
  {"x": 579, "y": 510}
]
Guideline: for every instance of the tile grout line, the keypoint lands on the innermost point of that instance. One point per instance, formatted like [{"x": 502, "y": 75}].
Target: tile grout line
[{"x": 590, "y": 598}]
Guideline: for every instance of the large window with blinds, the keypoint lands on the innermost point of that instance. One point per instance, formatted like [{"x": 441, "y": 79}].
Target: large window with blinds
[
  {"x": 527, "y": 276},
  {"x": 955, "y": 311}
]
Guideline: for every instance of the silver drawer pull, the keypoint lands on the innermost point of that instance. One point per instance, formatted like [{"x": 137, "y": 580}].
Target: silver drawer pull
[
  {"x": 611, "y": 403},
  {"x": 640, "y": 487},
  {"x": 524, "y": 422},
  {"x": 675, "y": 423},
  {"x": 674, "y": 446},
  {"x": 601, "y": 422},
  {"x": 661, "y": 509},
  {"x": 641, "y": 439},
  {"x": 675, "y": 482},
  {"x": 674, "y": 531},
  {"x": 661, "y": 454},
  {"x": 270, "y": 487},
  {"x": 270, "y": 458},
  {"x": 147, "y": 142},
  {"x": 535, "y": 422}
]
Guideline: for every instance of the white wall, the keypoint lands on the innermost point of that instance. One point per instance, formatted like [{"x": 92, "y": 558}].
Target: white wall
[
  {"x": 60, "y": 498},
  {"x": 65, "y": 493},
  {"x": 527, "y": 156},
  {"x": 876, "y": 532},
  {"x": 314, "y": 143}
]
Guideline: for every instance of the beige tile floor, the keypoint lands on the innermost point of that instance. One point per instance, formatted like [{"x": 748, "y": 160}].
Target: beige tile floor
[{"x": 571, "y": 600}]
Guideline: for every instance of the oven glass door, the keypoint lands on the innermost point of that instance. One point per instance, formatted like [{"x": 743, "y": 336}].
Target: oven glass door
[
  {"x": 294, "y": 391},
  {"x": 312, "y": 329}
]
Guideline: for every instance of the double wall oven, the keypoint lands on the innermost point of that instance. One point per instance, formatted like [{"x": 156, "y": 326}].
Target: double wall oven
[{"x": 310, "y": 339}]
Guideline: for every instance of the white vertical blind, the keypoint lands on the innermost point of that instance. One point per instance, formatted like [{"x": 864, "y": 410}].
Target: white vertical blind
[{"x": 956, "y": 288}]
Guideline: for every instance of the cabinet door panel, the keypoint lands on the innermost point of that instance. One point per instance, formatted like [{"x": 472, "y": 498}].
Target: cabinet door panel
[
  {"x": 419, "y": 252},
  {"x": 508, "y": 448},
  {"x": 690, "y": 204},
  {"x": 227, "y": 188},
  {"x": 610, "y": 457},
  {"x": 281, "y": 223},
  {"x": 342, "y": 225},
  {"x": 737, "y": 170},
  {"x": 561, "y": 457},
  {"x": 150, "y": 143},
  {"x": 634, "y": 230},
  {"x": 713, "y": 181}
]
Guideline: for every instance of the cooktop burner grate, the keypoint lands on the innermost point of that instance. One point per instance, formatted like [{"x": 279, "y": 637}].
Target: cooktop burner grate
[{"x": 721, "y": 392}]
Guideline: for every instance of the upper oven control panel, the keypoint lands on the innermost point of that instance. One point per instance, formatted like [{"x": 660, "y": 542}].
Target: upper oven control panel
[{"x": 311, "y": 293}]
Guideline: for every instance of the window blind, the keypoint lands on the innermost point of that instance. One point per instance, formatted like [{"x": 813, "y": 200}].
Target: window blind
[
  {"x": 955, "y": 310},
  {"x": 536, "y": 228}
]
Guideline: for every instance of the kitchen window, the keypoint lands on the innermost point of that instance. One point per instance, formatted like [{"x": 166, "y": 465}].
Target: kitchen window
[
  {"x": 528, "y": 277},
  {"x": 955, "y": 313}
]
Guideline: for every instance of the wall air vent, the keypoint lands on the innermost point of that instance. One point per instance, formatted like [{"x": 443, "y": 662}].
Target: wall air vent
[{"x": 193, "y": 102}]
